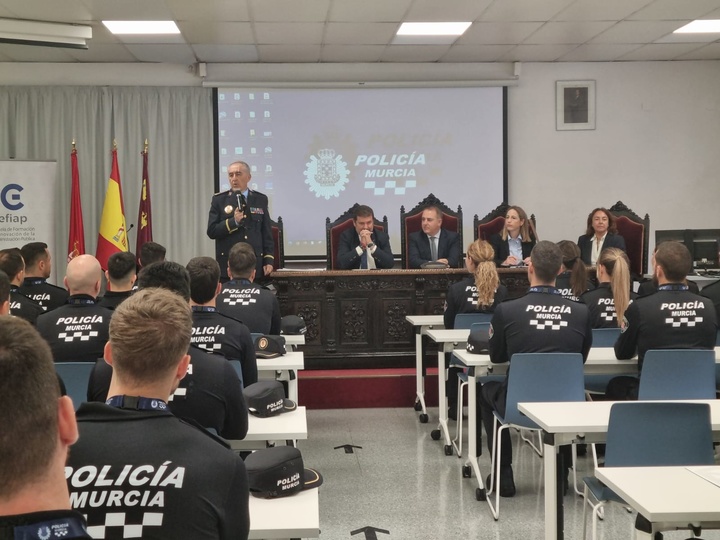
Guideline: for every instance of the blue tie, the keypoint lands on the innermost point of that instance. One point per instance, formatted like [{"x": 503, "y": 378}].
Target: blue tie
[{"x": 363, "y": 260}]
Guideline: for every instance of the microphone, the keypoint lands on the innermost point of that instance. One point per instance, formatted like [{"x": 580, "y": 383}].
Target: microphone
[{"x": 130, "y": 228}]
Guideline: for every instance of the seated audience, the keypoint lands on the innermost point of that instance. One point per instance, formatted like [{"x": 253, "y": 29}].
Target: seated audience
[
  {"x": 479, "y": 293},
  {"x": 650, "y": 286},
  {"x": 11, "y": 262},
  {"x": 573, "y": 280},
  {"x": 188, "y": 484},
  {"x": 240, "y": 298},
  {"x": 38, "y": 268},
  {"x": 712, "y": 292},
  {"x": 4, "y": 294},
  {"x": 433, "y": 243},
  {"x": 609, "y": 301},
  {"x": 120, "y": 275},
  {"x": 151, "y": 252},
  {"x": 78, "y": 331},
  {"x": 363, "y": 246},
  {"x": 513, "y": 246},
  {"x": 513, "y": 332},
  {"x": 601, "y": 233},
  {"x": 212, "y": 331},
  {"x": 672, "y": 318},
  {"x": 37, "y": 431}
]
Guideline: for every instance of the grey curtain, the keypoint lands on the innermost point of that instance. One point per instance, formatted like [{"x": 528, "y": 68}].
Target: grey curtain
[{"x": 40, "y": 123}]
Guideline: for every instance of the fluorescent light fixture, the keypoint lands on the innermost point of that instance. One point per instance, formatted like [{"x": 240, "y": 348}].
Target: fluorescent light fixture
[
  {"x": 44, "y": 34},
  {"x": 142, "y": 27},
  {"x": 433, "y": 28},
  {"x": 707, "y": 26}
]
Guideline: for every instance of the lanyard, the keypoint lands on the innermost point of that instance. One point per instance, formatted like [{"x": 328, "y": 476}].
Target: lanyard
[{"x": 137, "y": 403}]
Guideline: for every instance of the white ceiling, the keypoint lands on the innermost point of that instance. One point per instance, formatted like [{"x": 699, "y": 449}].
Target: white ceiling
[{"x": 292, "y": 31}]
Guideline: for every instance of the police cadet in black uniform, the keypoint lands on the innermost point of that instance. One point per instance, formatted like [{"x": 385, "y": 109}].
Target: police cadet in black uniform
[
  {"x": 609, "y": 301},
  {"x": 212, "y": 331},
  {"x": 11, "y": 262},
  {"x": 210, "y": 394},
  {"x": 241, "y": 215},
  {"x": 4, "y": 294},
  {"x": 34, "y": 498},
  {"x": 120, "y": 275},
  {"x": 712, "y": 292},
  {"x": 37, "y": 269},
  {"x": 541, "y": 321},
  {"x": 138, "y": 471},
  {"x": 240, "y": 298},
  {"x": 573, "y": 280},
  {"x": 672, "y": 318},
  {"x": 78, "y": 331}
]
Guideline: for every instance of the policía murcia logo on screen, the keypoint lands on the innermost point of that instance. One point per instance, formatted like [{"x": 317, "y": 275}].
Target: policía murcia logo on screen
[{"x": 326, "y": 173}]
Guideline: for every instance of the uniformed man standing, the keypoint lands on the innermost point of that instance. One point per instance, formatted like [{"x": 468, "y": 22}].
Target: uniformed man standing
[
  {"x": 241, "y": 215},
  {"x": 38, "y": 266},
  {"x": 672, "y": 318},
  {"x": 78, "y": 331},
  {"x": 541, "y": 321}
]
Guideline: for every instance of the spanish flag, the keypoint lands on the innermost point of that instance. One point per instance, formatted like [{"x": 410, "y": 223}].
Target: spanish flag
[{"x": 113, "y": 233}]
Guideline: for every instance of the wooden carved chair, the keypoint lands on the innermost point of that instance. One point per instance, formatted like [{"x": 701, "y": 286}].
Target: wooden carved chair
[
  {"x": 334, "y": 229},
  {"x": 636, "y": 232},
  {"x": 411, "y": 221},
  {"x": 278, "y": 235}
]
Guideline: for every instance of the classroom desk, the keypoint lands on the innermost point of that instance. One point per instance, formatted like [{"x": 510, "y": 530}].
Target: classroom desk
[
  {"x": 421, "y": 324},
  {"x": 294, "y": 339},
  {"x": 561, "y": 425},
  {"x": 668, "y": 497},
  {"x": 283, "y": 427},
  {"x": 288, "y": 365},
  {"x": 447, "y": 340},
  {"x": 297, "y": 516}
]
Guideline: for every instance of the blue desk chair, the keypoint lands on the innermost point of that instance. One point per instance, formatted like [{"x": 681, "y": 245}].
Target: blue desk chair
[
  {"x": 466, "y": 320},
  {"x": 678, "y": 374},
  {"x": 634, "y": 432},
  {"x": 238, "y": 369},
  {"x": 462, "y": 383},
  {"x": 76, "y": 376},
  {"x": 602, "y": 337},
  {"x": 535, "y": 377}
]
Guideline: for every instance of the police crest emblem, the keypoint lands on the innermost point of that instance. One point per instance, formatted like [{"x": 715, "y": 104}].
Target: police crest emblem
[{"x": 326, "y": 174}]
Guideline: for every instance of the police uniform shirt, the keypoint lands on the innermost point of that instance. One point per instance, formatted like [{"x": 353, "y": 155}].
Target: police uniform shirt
[
  {"x": 254, "y": 305},
  {"x": 77, "y": 331},
  {"x": 21, "y": 306},
  {"x": 601, "y": 304},
  {"x": 712, "y": 292},
  {"x": 562, "y": 283},
  {"x": 216, "y": 333},
  {"x": 255, "y": 228},
  {"x": 65, "y": 524},
  {"x": 541, "y": 321},
  {"x": 113, "y": 299},
  {"x": 462, "y": 298},
  {"x": 147, "y": 474},
  {"x": 672, "y": 318},
  {"x": 48, "y": 296}
]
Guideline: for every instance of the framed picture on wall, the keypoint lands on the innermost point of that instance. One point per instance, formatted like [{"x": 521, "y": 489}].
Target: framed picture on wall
[{"x": 575, "y": 105}]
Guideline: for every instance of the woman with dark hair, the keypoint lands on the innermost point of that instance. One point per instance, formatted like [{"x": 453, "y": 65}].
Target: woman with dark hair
[
  {"x": 573, "y": 280},
  {"x": 609, "y": 301},
  {"x": 478, "y": 293},
  {"x": 513, "y": 246},
  {"x": 601, "y": 233}
]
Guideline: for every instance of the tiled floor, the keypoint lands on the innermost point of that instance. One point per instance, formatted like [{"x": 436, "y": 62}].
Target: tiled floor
[{"x": 402, "y": 482}]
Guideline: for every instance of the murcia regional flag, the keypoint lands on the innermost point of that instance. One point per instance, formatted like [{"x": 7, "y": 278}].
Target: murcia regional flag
[{"x": 113, "y": 233}]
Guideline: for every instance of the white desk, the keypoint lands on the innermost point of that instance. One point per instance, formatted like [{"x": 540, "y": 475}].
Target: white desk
[
  {"x": 297, "y": 516},
  {"x": 606, "y": 356},
  {"x": 290, "y": 362},
  {"x": 668, "y": 497},
  {"x": 561, "y": 424},
  {"x": 447, "y": 340},
  {"x": 285, "y": 426},
  {"x": 422, "y": 323},
  {"x": 294, "y": 339}
]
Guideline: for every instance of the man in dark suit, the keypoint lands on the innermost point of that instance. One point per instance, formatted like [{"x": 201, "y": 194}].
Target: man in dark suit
[
  {"x": 434, "y": 243},
  {"x": 241, "y": 215},
  {"x": 364, "y": 246}
]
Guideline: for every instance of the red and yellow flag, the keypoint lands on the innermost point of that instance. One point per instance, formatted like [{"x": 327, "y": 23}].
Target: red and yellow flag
[
  {"x": 76, "y": 238},
  {"x": 113, "y": 232},
  {"x": 144, "y": 233}
]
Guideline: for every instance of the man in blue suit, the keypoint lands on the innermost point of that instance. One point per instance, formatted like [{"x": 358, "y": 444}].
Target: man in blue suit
[
  {"x": 363, "y": 246},
  {"x": 434, "y": 243}
]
